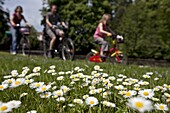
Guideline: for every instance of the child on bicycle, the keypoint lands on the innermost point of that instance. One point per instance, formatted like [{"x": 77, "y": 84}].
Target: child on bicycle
[{"x": 101, "y": 33}]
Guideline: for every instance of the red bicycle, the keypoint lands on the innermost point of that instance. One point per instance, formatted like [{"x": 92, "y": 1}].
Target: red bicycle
[{"x": 114, "y": 53}]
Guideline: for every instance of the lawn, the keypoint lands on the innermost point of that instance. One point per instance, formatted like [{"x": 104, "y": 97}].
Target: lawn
[{"x": 56, "y": 86}]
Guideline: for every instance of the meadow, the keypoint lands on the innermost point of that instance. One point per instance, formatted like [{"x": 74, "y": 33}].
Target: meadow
[{"x": 37, "y": 84}]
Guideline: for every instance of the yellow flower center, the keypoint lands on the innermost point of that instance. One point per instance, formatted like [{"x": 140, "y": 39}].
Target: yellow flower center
[
  {"x": 3, "y": 108},
  {"x": 27, "y": 81},
  {"x": 1, "y": 87},
  {"x": 38, "y": 85},
  {"x": 161, "y": 107},
  {"x": 91, "y": 102},
  {"x": 46, "y": 95},
  {"x": 17, "y": 82},
  {"x": 128, "y": 94},
  {"x": 9, "y": 81},
  {"x": 145, "y": 93},
  {"x": 139, "y": 104},
  {"x": 58, "y": 93},
  {"x": 43, "y": 88}
]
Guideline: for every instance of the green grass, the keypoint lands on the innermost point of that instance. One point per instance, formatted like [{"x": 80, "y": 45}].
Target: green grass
[{"x": 33, "y": 101}]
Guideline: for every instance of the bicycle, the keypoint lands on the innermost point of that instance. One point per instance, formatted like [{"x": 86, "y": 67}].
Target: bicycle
[
  {"x": 63, "y": 47},
  {"x": 23, "y": 42},
  {"x": 114, "y": 53}
]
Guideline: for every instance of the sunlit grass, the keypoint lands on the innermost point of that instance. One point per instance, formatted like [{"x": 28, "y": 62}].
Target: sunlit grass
[{"x": 33, "y": 101}]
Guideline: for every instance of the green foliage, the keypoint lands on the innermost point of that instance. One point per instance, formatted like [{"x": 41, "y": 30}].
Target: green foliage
[
  {"x": 146, "y": 28},
  {"x": 3, "y": 21}
]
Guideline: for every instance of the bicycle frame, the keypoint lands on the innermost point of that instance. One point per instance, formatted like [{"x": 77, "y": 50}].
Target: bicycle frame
[{"x": 113, "y": 52}]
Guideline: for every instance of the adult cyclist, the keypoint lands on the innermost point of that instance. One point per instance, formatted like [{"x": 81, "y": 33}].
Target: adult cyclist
[{"x": 53, "y": 19}]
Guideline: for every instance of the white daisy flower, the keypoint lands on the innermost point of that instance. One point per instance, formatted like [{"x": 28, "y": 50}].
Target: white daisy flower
[
  {"x": 55, "y": 87},
  {"x": 60, "y": 78},
  {"x": 108, "y": 104},
  {"x": 140, "y": 104},
  {"x": 8, "y": 81},
  {"x": 78, "y": 101},
  {"x": 119, "y": 80},
  {"x": 65, "y": 89},
  {"x": 9, "y": 76},
  {"x": 156, "y": 78},
  {"x": 92, "y": 87},
  {"x": 112, "y": 78},
  {"x": 93, "y": 72},
  {"x": 94, "y": 91},
  {"x": 3, "y": 86},
  {"x": 61, "y": 73},
  {"x": 61, "y": 99},
  {"x": 51, "y": 71},
  {"x": 32, "y": 111},
  {"x": 76, "y": 68},
  {"x": 105, "y": 75},
  {"x": 71, "y": 105},
  {"x": 14, "y": 73},
  {"x": 28, "y": 81},
  {"x": 155, "y": 99},
  {"x": 36, "y": 84},
  {"x": 167, "y": 95},
  {"x": 97, "y": 75},
  {"x": 36, "y": 69},
  {"x": 96, "y": 67},
  {"x": 105, "y": 94},
  {"x": 143, "y": 83},
  {"x": 52, "y": 67},
  {"x": 147, "y": 93},
  {"x": 23, "y": 94},
  {"x": 14, "y": 103},
  {"x": 91, "y": 101},
  {"x": 119, "y": 87},
  {"x": 69, "y": 72},
  {"x": 58, "y": 93},
  {"x": 5, "y": 107},
  {"x": 43, "y": 88},
  {"x": 129, "y": 93},
  {"x": 85, "y": 96},
  {"x": 17, "y": 82},
  {"x": 25, "y": 68},
  {"x": 149, "y": 73},
  {"x": 24, "y": 72},
  {"x": 45, "y": 95},
  {"x": 162, "y": 107},
  {"x": 146, "y": 76},
  {"x": 121, "y": 92}
]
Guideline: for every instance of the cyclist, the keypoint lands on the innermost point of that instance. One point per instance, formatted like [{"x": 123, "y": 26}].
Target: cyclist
[
  {"x": 53, "y": 19},
  {"x": 101, "y": 33},
  {"x": 15, "y": 20}
]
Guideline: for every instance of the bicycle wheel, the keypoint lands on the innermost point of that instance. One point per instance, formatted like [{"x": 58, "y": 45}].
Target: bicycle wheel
[
  {"x": 67, "y": 49},
  {"x": 90, "y": 54},
  {"x": 25, "y": 46},
  {"x": 121, "y": 58},
  {"x": 45, "y": 52}
]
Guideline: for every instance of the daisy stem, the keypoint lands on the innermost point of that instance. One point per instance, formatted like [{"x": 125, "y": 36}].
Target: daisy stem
[{"x": 90, "y": 110}]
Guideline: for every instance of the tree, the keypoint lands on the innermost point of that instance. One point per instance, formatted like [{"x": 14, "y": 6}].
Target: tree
[
  {"x": 146, "y": 27},
  {"x": 4, "y": 18}
]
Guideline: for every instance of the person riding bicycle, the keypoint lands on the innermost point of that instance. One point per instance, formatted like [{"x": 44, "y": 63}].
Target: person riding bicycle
[
  {"x": 101, "y": 33},
  {"x": 52, "y": 20},
  {"x": 15, "y": 20}
]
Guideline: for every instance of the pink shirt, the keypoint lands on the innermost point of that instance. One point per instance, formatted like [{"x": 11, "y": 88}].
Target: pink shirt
[{"x": 98, "y": 33}]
